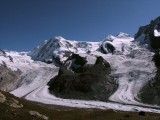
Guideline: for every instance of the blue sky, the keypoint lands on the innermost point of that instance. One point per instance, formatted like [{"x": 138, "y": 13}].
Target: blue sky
[{"x": 24, "y": 24}]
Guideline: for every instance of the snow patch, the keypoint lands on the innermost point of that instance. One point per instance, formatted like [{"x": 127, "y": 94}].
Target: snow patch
[{"x": 156, "y": 33}]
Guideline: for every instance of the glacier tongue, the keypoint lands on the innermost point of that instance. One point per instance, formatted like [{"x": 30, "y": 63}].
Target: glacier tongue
[{"x": 132, "y": 72}]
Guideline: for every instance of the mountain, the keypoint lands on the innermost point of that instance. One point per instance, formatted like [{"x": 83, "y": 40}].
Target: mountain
[
  {"x": 110, "y": 74},
  {"x": 58, "y": 49}
]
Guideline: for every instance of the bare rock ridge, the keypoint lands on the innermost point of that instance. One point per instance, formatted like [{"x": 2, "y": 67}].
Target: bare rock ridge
[
  {"x": 78, "y": 79},
  {"x": 2, "y": 52},
  {"x": 149, "y": 34}
]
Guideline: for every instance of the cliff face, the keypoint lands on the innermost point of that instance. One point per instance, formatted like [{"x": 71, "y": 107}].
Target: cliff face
[
  {"x": 149, "y": 34},
  {"x": 80, "y": 79}
]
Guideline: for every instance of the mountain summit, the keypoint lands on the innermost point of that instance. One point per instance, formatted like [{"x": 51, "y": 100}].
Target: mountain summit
[
  {"x": 58, "y": 49},
  {"x": 123, "y": 35}
]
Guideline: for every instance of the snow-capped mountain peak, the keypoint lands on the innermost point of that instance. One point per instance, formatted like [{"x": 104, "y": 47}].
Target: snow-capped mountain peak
[
  {"x": 123, "y": 35},
  {"x": 60, "y": 48},
  {"x": 109, "y": 38},
  {"x": 59, "y": 38}
]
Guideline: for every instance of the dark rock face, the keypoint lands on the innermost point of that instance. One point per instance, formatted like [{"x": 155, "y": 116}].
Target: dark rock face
[
  {"x": 148, "y": 31},
  {"x": 142, "y": 113},
  {"x": 8, "y": 79},
  {"x": 2, "y": 52},
  {"x": 150, "y": 93},
  {"x": 79, "y": 80},
  {"x": 155, "y": 41},
  {"x": 156, "y": 59},
  {"x": 107, "y": 47},
  {"x": 148, "y": 28}
]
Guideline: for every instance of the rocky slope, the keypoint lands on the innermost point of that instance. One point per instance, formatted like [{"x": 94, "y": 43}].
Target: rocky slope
[
  {"x": 149, "y": 34},
  {"x": 150, "y": 93},
  {"x": 79, "y": 78},
  {"x": 13, "y": 108},
  {"x": 9, "y": 80}
]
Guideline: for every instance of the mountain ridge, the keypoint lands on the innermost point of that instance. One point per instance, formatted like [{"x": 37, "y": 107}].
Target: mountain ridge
[{"x": 60, "y": 48}]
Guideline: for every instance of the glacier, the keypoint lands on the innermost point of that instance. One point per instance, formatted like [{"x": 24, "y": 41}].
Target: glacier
[{"x": 131, "y": 65}]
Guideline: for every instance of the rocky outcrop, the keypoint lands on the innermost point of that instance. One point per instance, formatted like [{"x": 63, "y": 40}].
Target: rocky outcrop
[
  {"x": 12, "y": 102},
  {"x": 84, "y": 77},
  {"x": 107, "y": 47},
  {"x": 2, "y": 52},
  {"x": 2, "y": 98},
  {"x": 150, "y": 93},
  {"x": 146, "y": 34},
  {"x": 148, "y": 28},
  {"x": 8, "y": 79},
  {"x": 38, "y": 115}
]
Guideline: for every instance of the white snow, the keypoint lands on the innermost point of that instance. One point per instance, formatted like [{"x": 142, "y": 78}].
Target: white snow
[
  {"x": 109, "y": 38},
  {"x": 131, "y": 66},
  {"x": 156, "y": 33},
  {"x": 121, "y": 45},
  {"x": 123, "y": 35},
  {"x": 58, "y": 46}
]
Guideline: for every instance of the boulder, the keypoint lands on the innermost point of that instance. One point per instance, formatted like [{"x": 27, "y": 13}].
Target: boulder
[
  {"x": 142, "y": 113},
  {"x": 12, "y": 102},
  {"x": 2, "y": 98},
  {"x": 38, "y": 115}
]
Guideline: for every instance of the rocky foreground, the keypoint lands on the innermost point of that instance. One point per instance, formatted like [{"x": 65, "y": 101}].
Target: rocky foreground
[{"x": 13, "y": 108}]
